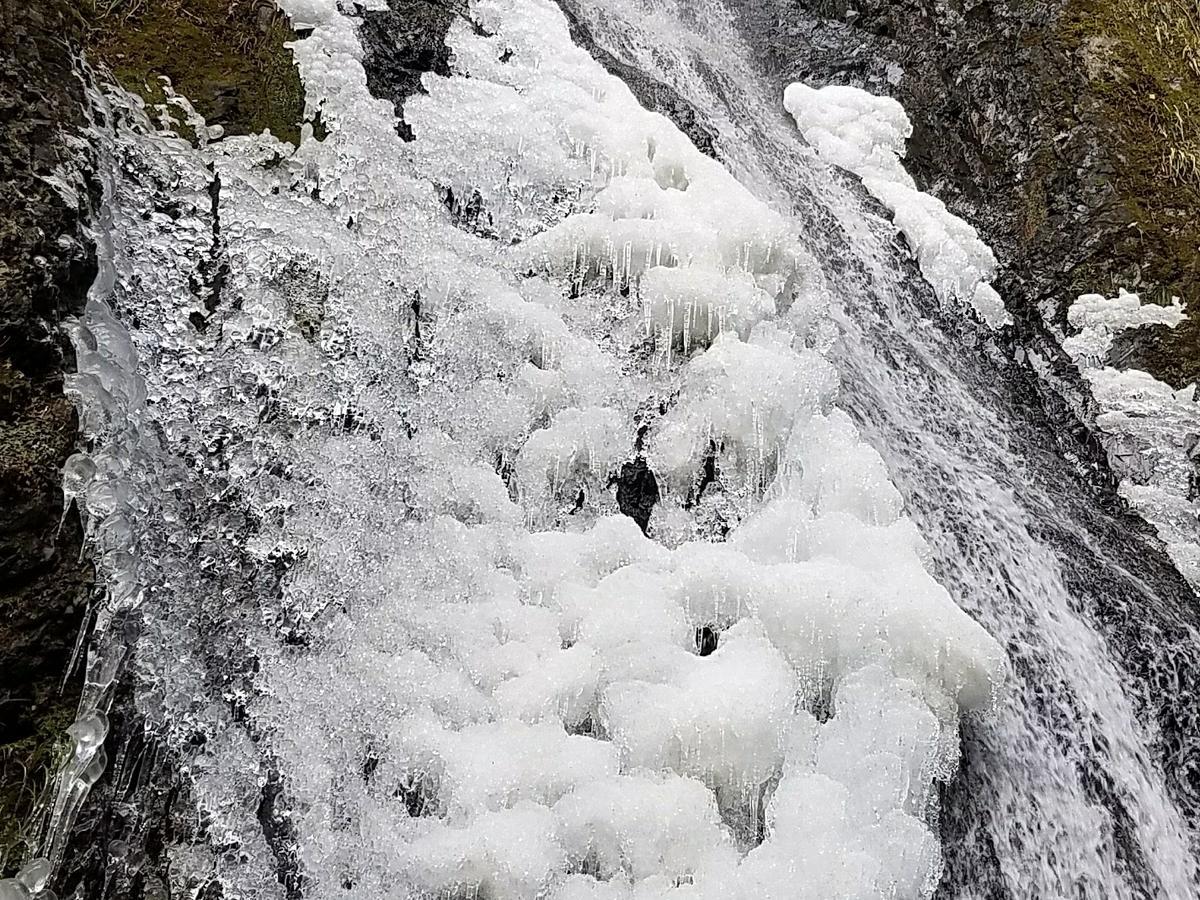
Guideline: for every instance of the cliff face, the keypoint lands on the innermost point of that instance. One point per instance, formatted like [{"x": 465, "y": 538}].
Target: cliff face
[{"x": 46, "y": 266}]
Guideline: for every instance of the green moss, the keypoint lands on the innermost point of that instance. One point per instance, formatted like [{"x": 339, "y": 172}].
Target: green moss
[
  {"x": 227, "y": 57},
  {"x": 1143, "y": 62},
  {"x": 26, "y": 767}
]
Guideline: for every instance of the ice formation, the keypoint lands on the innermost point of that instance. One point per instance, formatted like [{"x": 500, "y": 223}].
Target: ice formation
[
  {"x": 865, "y": 134},
  {"x": 1149, "y": 429},
  {"x": 470, "y": 674}
]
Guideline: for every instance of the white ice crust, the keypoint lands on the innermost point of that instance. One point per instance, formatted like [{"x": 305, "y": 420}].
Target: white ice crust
[
  {"x": 865, "y": 134},
  {"x": 1149, "y": 429}
]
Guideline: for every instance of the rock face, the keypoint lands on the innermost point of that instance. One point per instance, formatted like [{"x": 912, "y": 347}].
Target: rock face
[
  {"x": 46, "y": 266},
  {"x": 402, "y": 42}
]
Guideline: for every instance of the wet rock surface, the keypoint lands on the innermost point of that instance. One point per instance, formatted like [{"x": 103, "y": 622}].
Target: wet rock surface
[
  {"x": 402, "y": 43},
  {"x": 227, "y": 57},
  {"x": 46, "y": 265}
]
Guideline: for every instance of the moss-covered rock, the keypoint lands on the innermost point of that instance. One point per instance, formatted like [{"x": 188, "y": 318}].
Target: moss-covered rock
[
  {"x": 1141, "y": 59},
  {"x": 1067, "y": 131},
  {"x": 229, "y": 58}
]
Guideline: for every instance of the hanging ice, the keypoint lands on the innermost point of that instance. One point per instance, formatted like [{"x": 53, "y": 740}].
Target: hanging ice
[{"x": 1149, "y": 430}]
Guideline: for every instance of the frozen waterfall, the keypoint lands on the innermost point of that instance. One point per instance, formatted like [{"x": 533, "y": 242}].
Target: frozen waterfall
[{"x": 356, "y": 411}]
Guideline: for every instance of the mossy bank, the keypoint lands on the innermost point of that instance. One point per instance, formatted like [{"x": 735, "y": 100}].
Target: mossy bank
[
  {"x": 1141, "y": 59},
  {"x": 229, "y": 58}
]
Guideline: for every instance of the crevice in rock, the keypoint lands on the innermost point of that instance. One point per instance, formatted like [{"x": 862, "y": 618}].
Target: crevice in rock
[{"x": 280, "y": 835}]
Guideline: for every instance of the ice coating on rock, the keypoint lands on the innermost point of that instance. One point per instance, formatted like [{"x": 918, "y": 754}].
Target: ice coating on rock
[
  {"x": 1099, "y": 319},
  {"x": 1149, "y": 429},
  {"x": 865, "y": 134},
  {"x": 385, "y": 522}
]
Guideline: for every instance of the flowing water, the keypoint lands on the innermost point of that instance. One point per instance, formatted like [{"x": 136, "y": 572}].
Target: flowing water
[{"x": 363, "y": 453}]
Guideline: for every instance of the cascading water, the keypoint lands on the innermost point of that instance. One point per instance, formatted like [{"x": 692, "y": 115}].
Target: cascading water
[{"x": 360, "y": 492}]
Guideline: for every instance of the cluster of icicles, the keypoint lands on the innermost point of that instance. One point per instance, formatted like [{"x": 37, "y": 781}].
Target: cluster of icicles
[{"x": 104, "y": 486}]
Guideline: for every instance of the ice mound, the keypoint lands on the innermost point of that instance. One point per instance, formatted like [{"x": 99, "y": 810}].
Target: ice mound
[
  {"x": 575, "y": 453},
  {"x": 746, "y": 399},
  {"x": 689, "y": 307},
  {"x": 1099, "y": 319},
  {"x": 1149, "y": 430},
  {"x": 866, "y": 135},
  {"x": 468, "y": 674},
  {"x": 643, "y": 825},
  {"x": 720, "y": 718}
]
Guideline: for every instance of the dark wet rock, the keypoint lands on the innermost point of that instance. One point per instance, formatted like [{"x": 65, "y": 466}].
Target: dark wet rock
[
  {"x": 306, "y": 293},
  {"x": 138, "y": 810},
  {"x": 46, "y": 265},
  {"x": 637, "y": 492},
  {"x": 281, "y": 836},
  {"x": 402, "y": 43},
  {"x": 468, "y": 213}
]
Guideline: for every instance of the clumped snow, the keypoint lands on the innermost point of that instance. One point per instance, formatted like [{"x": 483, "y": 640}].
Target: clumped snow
[
  {"x": 475, "y": 678},
  {"x": 865, "y": 134},
  {"x": 1149, "y": 430}
]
